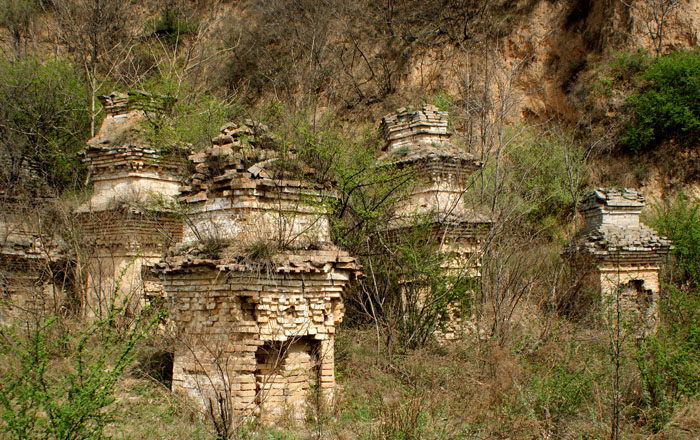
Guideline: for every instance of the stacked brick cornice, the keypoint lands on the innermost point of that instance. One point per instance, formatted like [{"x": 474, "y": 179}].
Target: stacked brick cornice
[
  {"x": 612, "y": 231},
  {"x": 129, "y": 174},
  {"x": 109, "y": 161},
  {"x": 407, "y": 127},
  {"x": 116, "y": 104},
  {"x": 420, "y": 138}
]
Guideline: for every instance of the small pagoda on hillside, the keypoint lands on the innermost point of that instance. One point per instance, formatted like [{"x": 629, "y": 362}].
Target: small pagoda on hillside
[
  {"x": 257, "y": 285},
  {"x": 621, "y": 255},
  {"x": 123, "y": 222},
  {"x": 417, "y": 141}
]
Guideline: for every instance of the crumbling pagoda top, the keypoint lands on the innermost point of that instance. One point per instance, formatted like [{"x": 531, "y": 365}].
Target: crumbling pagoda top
[
  {"x": 244, "y": 191},
  {"x": 413, "y": 135},
  {"x": 612, "y": 230},
  {"x": 249, "y": 200},
  {"x": 122, "y": 161},
  {"x": 418, "y": 140}
]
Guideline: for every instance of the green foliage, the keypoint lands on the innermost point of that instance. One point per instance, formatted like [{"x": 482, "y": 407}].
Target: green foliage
[
  {"x": 669, "y": 361},
  {"x": 57, "y": 384},
  {"x": 408, "y": 288},
  {"x": 538, "y": 175},
  {"x": 443, "y": 101},
  {"x": 196, "y": 116},
  {"x": 620, "y": 73},
  {"x": 561, "y": 390},
  {"x": 261, "y": 251},
  {"x": 152, "y": 412},
  {"x": 44, "y": 121},
  {"x": 680, "y": 222},
  {"x": 423, "y": 294},
  {"x": 346, "y": 157},
  {"x": 627, "y": 65},
  {"x": 668, "y": 105}
]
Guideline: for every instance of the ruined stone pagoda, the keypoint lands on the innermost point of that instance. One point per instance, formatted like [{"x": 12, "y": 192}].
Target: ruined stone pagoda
[
  {"x": 123, "y": 222},
  {"x": 417, "y": 140},
  {"x": 257, "y": 285},
  {"x": 34, "y": 272},
  {"x": 622, "y": 254}
]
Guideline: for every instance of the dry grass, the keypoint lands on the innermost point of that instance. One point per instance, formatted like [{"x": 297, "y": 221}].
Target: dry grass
[
  {"x": 554, "y": 384},
  {"x": 146, "y": 410}
]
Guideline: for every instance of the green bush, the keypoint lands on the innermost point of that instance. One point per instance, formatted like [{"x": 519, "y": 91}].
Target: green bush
[
  {"x": 44, "y": 121},
  {"x": 680, "y": 222},
  {"x": 561, "y": 391},
  {"x": 668, "y": 105},
  {"x": 195, "y": 118},
  {"x": 56, "y": 383},
  {"x": 534, "y": 180},
  {"x": 669, "y": 361},
  {"x": 628, "y": 64}
]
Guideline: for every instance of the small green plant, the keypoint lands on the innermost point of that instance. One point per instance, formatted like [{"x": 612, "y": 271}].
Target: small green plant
[
  {"x": 171, "y": 26},
  {"x": 627, "y": 65},
  {"x": 562, "y": 390},
  {"x": 443, "y": 101},
  {"x": 212, "y": 247},
  {"x": 261, "y": 251}
]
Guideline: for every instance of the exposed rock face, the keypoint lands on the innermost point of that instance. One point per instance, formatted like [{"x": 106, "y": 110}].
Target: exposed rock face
[
  {"x": 418, "y": 141},
  {"x": 123, "y": 222},
  {"x": 257, "y": 289},
  {"x": 626, "y": 255}
]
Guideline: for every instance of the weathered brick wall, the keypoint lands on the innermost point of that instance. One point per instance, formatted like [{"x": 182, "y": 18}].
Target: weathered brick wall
[
  {"x": 261, "y": 336},
  {"x": 132, "y": 229},
  {"x": 638, "y": 288},
  {"x": 286, "y": 213},
  {"x": 33, "y": 273},
  {"x": 28, "y": 289},
  {"x": 117, "y": 244}
]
